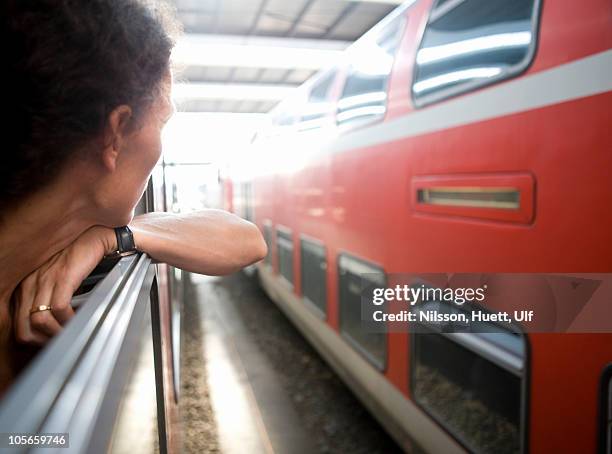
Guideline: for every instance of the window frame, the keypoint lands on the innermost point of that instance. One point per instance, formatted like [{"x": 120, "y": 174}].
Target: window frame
[
  {"x": 379, "y": 364},
  {"x": 120, "y": 298},
  {"x": 268, "y": 234},
  {"x": 306, "y": 125},
  {"x": 400, "y": 15},
  {"x": 284, "y": 233},
  {"x": 305, "y": 239},
  {"x": 116, "y": 308},
  {"x": 507, "y": 73},
  {"x": 525, "y": 387}
]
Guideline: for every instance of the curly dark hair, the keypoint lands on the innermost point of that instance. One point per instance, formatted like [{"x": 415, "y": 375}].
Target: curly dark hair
[{"x": 68, "y": 64}]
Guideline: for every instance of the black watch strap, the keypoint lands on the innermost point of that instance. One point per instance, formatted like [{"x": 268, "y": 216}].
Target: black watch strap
[{"x": 125, "y": 241}]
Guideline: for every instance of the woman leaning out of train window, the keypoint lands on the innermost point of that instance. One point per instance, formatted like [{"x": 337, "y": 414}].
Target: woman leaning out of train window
[{"x": 88, "y": 92}]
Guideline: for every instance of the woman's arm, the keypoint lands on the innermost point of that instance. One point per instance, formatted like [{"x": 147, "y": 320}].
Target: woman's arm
[{"x": 210, "y": 242}]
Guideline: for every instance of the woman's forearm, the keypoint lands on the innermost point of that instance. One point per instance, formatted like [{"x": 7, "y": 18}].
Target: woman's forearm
[
  {"x": 212, "y": 242},
  {"x": 208, "y": 242}
]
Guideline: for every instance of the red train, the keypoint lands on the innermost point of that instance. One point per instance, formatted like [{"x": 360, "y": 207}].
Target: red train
[{"x": 456, "y": 136}]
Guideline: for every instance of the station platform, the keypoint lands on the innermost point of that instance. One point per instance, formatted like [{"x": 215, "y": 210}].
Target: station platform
[{"x": 260, "y": 388}]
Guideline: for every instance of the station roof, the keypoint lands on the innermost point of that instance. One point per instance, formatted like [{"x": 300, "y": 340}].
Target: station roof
[{"x": 246, "y": 55}]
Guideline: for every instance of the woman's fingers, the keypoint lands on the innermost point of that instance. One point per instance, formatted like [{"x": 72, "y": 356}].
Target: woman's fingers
[
  {"x": 60, "y": 303},
  {"x": 24, "y": 297},
  {"x": 53, "y": 284},
  {"x": 43, "y": 322},
  {"x": 38, "y": 339},
  {"x": 37, "y": 327}
]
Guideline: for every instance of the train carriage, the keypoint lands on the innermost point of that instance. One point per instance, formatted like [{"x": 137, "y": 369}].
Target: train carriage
[{"x": 456, "y": 136}]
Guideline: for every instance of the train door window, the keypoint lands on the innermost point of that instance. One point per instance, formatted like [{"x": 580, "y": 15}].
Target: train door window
[
  {"x": 313, "y": 270},
  {"x": 318, "y": 103},
  {"x": 473, "y": 384},
  {"x": 284, "y": 244},
  {"x": 471, "y": 43},
  {"x": 364, "y": 96},
  {"x": 267, "y": 234},
  {"x": 354, "y": 275}
]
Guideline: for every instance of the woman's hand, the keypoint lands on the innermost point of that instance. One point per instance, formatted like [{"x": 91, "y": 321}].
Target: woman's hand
[
  {"x": 54, "y": 283},
  {"x": 212, "y": 242}
]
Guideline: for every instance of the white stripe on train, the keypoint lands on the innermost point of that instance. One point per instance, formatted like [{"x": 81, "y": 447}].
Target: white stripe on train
[{"x": 585, "y": 77}]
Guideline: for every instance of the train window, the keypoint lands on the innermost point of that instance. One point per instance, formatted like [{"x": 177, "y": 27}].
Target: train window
[
  {"x": 471, "y": 43},
  {"x": 267, "y": 234},
  {"x": 318, "y": 103},
  {"x": 473, "y": 384},
  {"x": 286, "y": 115},
  {"x": 353, "y": 275},
  {"x": 284, "y": 244},
  {"x": 285, "y": 119},
  {"x": 313, "y": 270},
  {"x": 364, "y": 96}
]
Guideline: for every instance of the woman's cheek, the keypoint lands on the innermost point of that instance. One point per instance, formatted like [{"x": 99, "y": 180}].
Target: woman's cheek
[{"x": 150, "y": 151}]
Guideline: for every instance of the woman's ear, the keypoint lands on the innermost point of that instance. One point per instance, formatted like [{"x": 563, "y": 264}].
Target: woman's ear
[{"x": 114, "y": 136}]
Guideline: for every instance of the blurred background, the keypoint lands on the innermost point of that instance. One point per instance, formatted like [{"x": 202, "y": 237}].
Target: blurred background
[{"x": 236, "y": 60}]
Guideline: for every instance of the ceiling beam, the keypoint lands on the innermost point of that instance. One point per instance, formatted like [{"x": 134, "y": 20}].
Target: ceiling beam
[
  {"x": 258, "y": 15},
  {"x": 298, "y": 18},
  {"x": 252, "y": 28},
  {"x": 237, "y": 92},
  {"x": 348, "y": 9}
]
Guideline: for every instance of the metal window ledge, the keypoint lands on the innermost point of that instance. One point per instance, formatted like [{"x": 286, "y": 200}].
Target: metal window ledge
[{"x": 75, "y": 384}]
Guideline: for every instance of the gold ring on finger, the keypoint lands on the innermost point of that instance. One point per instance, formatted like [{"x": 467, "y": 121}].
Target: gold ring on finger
[{"x": 40, "y": 309}]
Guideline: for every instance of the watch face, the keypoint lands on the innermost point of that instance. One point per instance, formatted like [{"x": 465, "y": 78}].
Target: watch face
[{"x": 125, "y": 240}]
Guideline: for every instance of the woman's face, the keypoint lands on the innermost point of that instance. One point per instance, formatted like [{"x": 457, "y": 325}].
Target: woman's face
[{"x": 140, "y": 151}]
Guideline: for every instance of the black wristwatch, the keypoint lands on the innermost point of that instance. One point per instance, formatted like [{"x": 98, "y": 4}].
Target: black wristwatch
[{"x": 125, "y": 241}]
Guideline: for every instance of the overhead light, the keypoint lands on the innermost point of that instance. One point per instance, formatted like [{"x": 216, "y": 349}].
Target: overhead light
[
  {"x": 256, "y": 52},
  {"x": 238, "y": 92}
]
